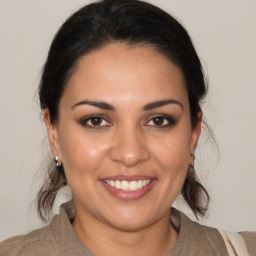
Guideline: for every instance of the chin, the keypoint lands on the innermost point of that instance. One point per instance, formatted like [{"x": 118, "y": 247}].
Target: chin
[
  {"x": 130, "y": 220},
  {"x": 129, "y": 224}
]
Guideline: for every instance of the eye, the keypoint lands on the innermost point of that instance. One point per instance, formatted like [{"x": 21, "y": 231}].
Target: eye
[
  {"x": 95, "y": 122},
  {"x": 161, "y": 121}
]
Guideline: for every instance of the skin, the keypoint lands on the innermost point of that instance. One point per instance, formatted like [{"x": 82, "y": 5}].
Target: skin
[{"x": 129, "y": 140}]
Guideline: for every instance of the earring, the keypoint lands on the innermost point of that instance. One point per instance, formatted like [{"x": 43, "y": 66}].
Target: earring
[
  {"x": 56, "y": 159},
  {"x": 191, "y": 168},
  {"x": 193, "y": 157}
]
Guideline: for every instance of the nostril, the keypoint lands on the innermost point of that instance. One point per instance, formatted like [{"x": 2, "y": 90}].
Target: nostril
[{"x": 129, "y": 156}]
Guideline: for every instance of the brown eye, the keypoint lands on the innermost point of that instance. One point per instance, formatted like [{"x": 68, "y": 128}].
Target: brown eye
[
  {"x": 158, "y": 120},
  {"x": 161, "y": 121},
  {"x": 95, "y": 122}
]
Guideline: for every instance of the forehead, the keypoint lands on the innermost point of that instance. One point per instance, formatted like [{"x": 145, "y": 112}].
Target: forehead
[{"x": 118, "y": 72}]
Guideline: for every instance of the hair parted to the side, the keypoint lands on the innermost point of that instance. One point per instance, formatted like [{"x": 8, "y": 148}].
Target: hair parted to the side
[{"x": 132, "y": 22}]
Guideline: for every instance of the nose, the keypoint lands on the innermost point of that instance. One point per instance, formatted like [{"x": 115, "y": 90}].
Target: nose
[{"x": 129, "y": 148}]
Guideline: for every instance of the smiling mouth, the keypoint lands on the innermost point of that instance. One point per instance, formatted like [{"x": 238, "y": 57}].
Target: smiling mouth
[
  {"x": 128, "y": 185},
  {"x": 129, "y": 188}
]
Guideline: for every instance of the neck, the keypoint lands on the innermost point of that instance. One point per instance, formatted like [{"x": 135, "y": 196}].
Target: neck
[{"x": 157, "y": 239}]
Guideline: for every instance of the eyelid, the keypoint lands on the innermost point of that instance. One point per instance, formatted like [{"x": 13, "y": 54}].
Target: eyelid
[
  {"x": 84, "y": 121},
  {"x": 170, "y": 119}
]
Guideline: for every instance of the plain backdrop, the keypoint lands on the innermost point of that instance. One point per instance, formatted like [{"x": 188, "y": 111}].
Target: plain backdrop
[{"x": 224, "y": 33}]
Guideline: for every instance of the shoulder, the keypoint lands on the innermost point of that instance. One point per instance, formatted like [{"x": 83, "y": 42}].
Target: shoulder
[
  {"x": 242, "y": 243},
  {"x": 206, "y": 240},
  {"x": 197, "y": 239},
  {"x": 195, "y": 229},
  {"x": 250, "y": 241},
  {"x": 58, "y": 238},
  {"x": 37, "y": 242}
]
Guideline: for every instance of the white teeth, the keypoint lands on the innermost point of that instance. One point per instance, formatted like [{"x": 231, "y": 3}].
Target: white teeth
[
  {"x": 125, "y": 185},
  {"x": 117, "y": 184},
  {"x": 128, "y": 185},
  {"x": 133, "y": 185},
  {"x": 140, "y": 185}
]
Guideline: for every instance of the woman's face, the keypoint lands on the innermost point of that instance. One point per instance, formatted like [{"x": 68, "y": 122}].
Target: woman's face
[{"x": 124, "y": 135}]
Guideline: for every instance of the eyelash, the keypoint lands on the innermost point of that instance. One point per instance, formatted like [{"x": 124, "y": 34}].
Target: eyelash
[
  {"x": 168, "y": 121},
  {"x": 85, "y": 121}
]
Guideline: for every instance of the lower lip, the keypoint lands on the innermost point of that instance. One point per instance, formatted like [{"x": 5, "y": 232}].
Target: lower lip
[{"x": 129, "y": 195}]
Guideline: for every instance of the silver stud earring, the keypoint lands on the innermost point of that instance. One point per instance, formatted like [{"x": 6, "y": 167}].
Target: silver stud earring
[
  {"x": 193, "y": 157},
  {"x": 56, "y": 159}
]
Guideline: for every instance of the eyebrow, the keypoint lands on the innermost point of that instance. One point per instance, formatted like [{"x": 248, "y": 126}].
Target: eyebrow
[
  {"x": 161, "y": 103},
  {"x": 147, "y": 107},
  {"x": 98, "y": 104}
]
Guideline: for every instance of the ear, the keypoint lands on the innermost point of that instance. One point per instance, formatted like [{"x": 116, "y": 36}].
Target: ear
[
  {"x": 52, "y": 134},
  {"x": 196, "y": 133}
]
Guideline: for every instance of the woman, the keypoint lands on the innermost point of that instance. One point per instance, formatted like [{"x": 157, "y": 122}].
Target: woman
[{"x": 121, "y": 92}]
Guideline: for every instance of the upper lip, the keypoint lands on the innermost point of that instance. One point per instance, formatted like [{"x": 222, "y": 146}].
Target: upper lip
[{"x": 129, "y": 177}]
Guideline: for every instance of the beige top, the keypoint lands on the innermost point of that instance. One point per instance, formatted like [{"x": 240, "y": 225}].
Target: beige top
[{"x": 59, "y": 238}]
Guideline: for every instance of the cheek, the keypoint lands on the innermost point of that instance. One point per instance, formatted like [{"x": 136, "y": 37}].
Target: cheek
[
  {"x": 173, "y": 152},
  {"x": 80, "y": 153},
  {"x": 172, "y": 156}
]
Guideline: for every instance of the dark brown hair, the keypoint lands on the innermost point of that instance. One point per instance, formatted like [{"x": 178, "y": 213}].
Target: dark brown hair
[{"x": 132, "y": 22}]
